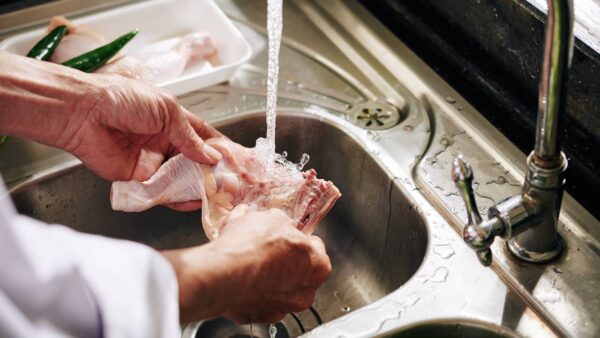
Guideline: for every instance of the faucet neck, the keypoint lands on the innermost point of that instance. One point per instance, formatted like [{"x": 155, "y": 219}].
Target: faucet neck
[{"x": 552, "y": 96}]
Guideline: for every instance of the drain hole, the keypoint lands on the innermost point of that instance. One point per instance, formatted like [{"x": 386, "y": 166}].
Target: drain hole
[
  {"x": 376, "y": 115},
  {"x": 225, "y": 328},
  {"x": 293, "y": 325}
]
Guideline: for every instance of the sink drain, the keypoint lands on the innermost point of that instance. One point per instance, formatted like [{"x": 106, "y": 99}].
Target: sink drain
[
  {"x": 293, "y": 325},
  {"x": 225, "y": 328},
  {"x": 376, "y": 115}
]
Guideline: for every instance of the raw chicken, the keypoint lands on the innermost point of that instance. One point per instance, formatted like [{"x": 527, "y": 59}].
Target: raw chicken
[
  {"x": 245, "y": 179},
  {"x": 150, "y": 66},
  {"x": 167, "y": 65},
  {"x": 78, "y": 40}
]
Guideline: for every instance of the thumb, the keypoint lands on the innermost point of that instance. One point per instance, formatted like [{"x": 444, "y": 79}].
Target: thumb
[{"x": 183, "y": 136}]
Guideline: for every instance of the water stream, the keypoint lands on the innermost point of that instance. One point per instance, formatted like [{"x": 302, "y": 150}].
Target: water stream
[
  {"x": 274, "y": 28},
  {"x": 266, "y": 147}
]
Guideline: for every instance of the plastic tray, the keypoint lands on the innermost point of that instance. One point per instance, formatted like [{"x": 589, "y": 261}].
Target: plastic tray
[{"x": 159, "y": 21}]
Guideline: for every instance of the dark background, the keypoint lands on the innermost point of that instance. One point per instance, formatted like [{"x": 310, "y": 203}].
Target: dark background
[
  {"x": 491, "y": 52},
  {"x": 14, "y": 5}
]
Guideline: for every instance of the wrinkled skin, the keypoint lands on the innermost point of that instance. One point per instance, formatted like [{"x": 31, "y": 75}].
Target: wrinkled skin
[{"x": 269, "y": 269}]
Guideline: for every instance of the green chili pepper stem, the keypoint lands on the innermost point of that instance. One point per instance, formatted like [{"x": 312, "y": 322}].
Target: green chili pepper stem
[
  {"x": 3, "y": 140},
  {"x": 92, "y": 60},
  {"x": 44, "y": 49}
]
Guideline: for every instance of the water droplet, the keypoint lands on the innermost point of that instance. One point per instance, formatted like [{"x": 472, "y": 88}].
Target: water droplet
[
  {"x": 444, "y": 141},
  {"x": 551, "y": 296},
  {"x": 346, "y": 309},
  {"x": 303, "y": 161},
  {"x": 284, "y": 153},
  {"x": 408, "y": 127},
  {"x": 272, "y": 331},
  {"x": 373, "y": 135},
  {"x": 557, "y": 270},
  {"x": 450, "y": 99},
  {"x": 439, "y": 276},
  {"x": 443, "y": 250},
  {"x": 336, "y": 294}
]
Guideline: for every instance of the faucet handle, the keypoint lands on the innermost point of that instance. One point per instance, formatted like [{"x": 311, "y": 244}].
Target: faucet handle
[
  {"x": 478, "y": 234},
  {"x": 462, "y": 175}
]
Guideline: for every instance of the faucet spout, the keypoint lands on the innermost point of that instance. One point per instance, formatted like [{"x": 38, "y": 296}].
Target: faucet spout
[{"x": 558, "y": 51}]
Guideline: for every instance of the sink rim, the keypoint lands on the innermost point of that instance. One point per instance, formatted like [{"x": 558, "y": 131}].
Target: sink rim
[{"x": 476, "y": 323}]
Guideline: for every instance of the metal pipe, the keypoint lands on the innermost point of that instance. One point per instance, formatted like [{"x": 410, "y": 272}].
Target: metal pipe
[{"x": 552, "y": 97}]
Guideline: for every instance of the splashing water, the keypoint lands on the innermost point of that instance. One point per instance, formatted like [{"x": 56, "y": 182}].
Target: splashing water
[
  {"x": 274, "y": 27},
  {"x": 303, "y": 161},
  {"x": 272, "y": 331}
]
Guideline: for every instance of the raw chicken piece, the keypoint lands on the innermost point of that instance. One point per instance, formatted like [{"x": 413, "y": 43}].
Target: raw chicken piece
[
  {"x": 167, "y": 65},
  {"x": 78, "y": 40},
  {"x": 151, "y": 66},
  {"x": 127, "y": 66},
  {"x": 242, "y": 180}
]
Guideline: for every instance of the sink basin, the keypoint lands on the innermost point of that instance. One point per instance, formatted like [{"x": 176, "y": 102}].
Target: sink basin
[
  {"x": 375, "y": 238},
  {"x": 453, "y": 329}
]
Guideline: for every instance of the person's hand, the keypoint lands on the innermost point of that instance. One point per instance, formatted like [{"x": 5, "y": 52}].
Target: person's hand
[
  {"x": 121, "y": 129},
  {"x": 259, "y": 269},
  {"x": 128, "y": 127}
]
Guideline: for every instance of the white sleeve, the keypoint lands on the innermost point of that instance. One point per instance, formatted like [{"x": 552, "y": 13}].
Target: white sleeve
[{"x": 57, "y": 282}]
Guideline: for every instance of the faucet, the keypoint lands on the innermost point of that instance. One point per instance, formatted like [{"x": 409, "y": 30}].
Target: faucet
[{"x": 529, "y": 220}]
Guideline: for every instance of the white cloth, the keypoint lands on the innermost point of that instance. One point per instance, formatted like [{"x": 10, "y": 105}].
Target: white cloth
[{"x": 55, "y": 282}]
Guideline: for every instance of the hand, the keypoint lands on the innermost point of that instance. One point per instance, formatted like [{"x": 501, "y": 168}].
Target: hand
[
  {"x": 127, "y": 128},
  {"x": 120, "y": 128},
  {"x": 259, "y": 269}
]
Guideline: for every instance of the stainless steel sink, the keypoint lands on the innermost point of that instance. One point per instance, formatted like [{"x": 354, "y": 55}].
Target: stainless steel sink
[
  {"x": 399, "y": 261},
  {"x": 372, "y": 225}
]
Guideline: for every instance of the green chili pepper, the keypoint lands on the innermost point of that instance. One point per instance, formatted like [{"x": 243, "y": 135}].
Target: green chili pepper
[
  {"x": 92, "y": 60},
  {"x": 45, "y": 47},
  {"x": 3, "y": 139}
]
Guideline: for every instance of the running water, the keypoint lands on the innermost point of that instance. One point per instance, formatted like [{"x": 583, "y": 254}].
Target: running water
[
  {"x": 284, "y": 169},
  {"x": 266, "y": 146},
  {"x": 274, "y": 27}
]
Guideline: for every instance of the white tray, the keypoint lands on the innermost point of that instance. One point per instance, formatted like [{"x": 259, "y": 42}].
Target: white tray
[{"x": 160, "y": 20}]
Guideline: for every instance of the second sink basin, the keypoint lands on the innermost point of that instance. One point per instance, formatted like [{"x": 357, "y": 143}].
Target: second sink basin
[{"x": 374, "y": 236}]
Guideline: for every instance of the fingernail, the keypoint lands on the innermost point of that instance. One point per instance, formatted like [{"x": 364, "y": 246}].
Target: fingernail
[{"x": 212, "y": 152}]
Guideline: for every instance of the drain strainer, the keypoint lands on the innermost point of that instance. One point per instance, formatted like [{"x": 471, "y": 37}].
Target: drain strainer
[
  {"x": 376, "y": 115},
  {"x": 293, "y": 325},
  {"x": 225, "y": 328}
]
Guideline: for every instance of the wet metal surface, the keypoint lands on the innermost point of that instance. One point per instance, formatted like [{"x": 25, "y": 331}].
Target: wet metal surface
[{"x": 397, "y": 255}]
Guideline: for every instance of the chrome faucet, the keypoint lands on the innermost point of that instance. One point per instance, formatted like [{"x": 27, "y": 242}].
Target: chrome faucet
[{"x": 529, "y": 220}]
